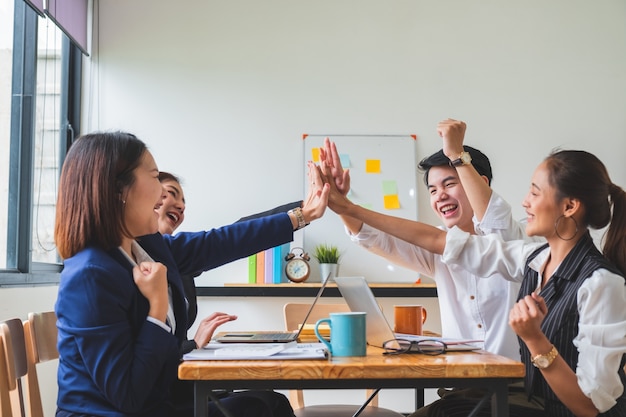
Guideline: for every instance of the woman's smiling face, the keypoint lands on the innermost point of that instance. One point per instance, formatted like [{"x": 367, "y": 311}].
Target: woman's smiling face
[
  {"x": 540, "y": 204},
  {"x": 143, "y": 198},
  {"x": 172, "y": 211}
]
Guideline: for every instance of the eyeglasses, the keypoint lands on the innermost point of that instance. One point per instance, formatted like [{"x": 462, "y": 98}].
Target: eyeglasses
[{"x": 426, "y": 346}]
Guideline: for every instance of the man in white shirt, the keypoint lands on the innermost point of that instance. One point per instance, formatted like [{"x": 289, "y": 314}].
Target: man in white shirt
[{"x": 458, "y": 180}]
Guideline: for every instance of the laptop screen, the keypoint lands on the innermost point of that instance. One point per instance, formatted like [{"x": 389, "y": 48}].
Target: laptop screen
[{"x": 317, "y": 297}]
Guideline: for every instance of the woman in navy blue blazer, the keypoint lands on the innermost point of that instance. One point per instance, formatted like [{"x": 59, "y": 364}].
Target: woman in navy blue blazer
[{"x": 121, "y": 307}]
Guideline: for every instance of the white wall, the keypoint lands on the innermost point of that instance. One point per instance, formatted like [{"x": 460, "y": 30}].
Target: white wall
[{"x": 222, "y": 91}]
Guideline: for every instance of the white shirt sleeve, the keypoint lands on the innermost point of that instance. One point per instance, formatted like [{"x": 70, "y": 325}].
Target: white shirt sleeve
[
  {"x": 498, "y": 219},
  {"x": 601, "y": 339},
  {"x": 489, "y": 255},
  {"x": 160, "y": 324},
  {"x": 395, "y": 250}
]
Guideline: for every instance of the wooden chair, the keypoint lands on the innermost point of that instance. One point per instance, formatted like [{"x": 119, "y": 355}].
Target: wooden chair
[
  {"x": 13, "y": 367},
  {"x": 293, "y": 314},
  {"x": 40, "y": 332}
]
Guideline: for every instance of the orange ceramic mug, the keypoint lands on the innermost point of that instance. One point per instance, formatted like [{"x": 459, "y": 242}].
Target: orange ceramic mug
[{"x": 409, "y": 318}]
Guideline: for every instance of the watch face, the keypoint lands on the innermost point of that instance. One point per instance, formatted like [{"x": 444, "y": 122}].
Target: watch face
[
  {"x": 297, "y": 270},
  {"x": 542, "y": 362},
  {"x": 466, "y": 158}
]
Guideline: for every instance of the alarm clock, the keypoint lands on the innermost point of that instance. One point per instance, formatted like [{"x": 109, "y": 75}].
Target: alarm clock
[{"x": 297, "y": 268}]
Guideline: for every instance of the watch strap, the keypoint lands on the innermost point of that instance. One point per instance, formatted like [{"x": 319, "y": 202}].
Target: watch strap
[
  {"x": 297, "y": 211},
  {"x": 464, "y": 159},
  {"x": 539, "y": 360}
]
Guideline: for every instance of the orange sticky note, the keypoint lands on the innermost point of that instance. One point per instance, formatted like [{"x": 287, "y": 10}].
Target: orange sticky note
[
  {"x": 392, "y": 202},
  {"x": 372, "y": 166}
]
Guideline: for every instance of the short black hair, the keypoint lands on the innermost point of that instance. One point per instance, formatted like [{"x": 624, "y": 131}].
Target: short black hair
[{"x": 479, "y": 160}]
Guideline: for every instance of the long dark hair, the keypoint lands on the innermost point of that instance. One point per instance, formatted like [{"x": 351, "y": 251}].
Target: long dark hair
[
  {"x": 90, "y": 204},
  {"x": 581, "y": 175}
]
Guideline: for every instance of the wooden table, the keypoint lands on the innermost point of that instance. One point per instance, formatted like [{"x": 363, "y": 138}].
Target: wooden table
[{"x": 455, "y": 369}]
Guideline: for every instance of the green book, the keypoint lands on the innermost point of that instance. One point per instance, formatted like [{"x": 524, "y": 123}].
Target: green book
[{"x": 252, "y": 269}]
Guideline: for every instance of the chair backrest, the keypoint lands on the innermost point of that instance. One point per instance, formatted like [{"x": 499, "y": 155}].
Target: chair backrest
[
  {"x": 293, "y": 315},
  {"x": 40, "y": 333},
  {"x": 13, "y": 366},
  {"x": 43, "y": 330},
  {"x": 295, "y": 312}
]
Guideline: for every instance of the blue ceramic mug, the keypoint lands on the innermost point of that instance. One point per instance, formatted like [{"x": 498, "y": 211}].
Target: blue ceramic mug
[{"x": 347, "y": 334}]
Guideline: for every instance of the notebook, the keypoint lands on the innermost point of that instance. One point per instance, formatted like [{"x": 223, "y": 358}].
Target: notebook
[
  {"x": 360, "y": 297},
  {"x": 270, "y": 337}
]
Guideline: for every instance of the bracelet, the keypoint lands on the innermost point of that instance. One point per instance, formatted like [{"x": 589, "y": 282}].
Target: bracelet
[{"x": 299, "y": 217}]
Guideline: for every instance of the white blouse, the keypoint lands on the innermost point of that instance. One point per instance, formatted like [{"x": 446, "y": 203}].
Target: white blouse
[
  {"x": 601, "y": 341},
  {"x": 470, "y": 307}
]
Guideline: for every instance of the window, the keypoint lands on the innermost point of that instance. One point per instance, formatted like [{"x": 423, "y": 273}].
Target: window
[
  {"x": 47, "y": 159},
  {"x": 6, "y": 47},
  {"x": 39, "y": 113}
]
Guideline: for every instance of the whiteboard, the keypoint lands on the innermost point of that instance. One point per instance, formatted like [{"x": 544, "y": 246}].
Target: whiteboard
[{"x": 383, "y": 173}]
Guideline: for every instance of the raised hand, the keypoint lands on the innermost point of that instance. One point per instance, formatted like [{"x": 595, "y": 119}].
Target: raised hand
[
  {"x": 452, "y": 132},
  {"x": 151, "y": 279},
  {"x": 330, "y": 156},
  {"x": 337, "y": 200},
  {"x": 526, "y": 316},
  {"x": 316, "y": 201}
]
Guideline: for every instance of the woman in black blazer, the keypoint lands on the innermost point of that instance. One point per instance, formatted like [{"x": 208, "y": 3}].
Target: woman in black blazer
[{"x": 171, "y": 215}]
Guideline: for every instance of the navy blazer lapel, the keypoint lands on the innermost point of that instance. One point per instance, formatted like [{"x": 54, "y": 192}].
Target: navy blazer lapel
[{"x": 159, "y": 252}]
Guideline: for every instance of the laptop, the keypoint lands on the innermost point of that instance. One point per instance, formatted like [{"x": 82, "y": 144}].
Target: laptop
[
  {"x": 270, "y": 336},
  {"x": 360, "y": 297}
]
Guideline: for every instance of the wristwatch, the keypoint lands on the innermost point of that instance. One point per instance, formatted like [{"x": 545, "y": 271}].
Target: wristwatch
[
  {"x": 464, "y": 159},
  {"x": 544, "y": 360},
  {"x": 297, "y": 211}
]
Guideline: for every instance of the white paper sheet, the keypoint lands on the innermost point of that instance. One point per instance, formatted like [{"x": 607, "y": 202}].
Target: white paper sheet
[{"x": 253, "y": 351}]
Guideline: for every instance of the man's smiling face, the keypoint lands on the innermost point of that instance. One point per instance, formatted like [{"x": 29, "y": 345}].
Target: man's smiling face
[{"x": 448, "y": 199}]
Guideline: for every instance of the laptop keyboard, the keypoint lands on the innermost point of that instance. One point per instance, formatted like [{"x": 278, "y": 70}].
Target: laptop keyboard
[{"x": 274, "y": 336}]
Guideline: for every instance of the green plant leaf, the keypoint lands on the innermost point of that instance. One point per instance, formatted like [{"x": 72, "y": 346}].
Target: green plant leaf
[{"x": 327, "y": 254}]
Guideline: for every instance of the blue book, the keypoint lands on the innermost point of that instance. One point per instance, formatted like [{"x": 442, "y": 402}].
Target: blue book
[
  {"x": 277, "y": 254},
  {"x": 285, "y": 249}
]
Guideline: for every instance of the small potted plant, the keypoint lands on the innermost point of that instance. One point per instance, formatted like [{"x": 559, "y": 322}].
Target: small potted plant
[{"x": 328, "y": 258}]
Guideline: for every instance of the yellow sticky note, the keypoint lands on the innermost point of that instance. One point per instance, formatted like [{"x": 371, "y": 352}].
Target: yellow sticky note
[
  {"x": 372, "y": 166},
  {"x": 315, "y": 154},
  {"x": 392, "y": 202}
]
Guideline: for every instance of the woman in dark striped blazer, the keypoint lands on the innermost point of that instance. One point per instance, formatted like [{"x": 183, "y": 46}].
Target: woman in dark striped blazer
[{"x": 570, "y": 317}]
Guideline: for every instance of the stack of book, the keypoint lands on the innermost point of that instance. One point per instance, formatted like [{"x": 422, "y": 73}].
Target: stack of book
[{"x": 268, "y": 266}]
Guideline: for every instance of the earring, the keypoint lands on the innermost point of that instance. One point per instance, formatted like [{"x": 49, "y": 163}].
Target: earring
[{"x": 556, "y": 227}]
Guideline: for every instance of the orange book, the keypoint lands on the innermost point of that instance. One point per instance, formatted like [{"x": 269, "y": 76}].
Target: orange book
[{"x": 260, "y": 267}]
